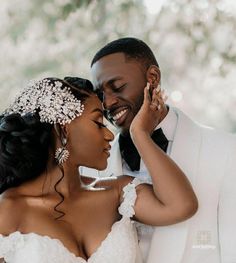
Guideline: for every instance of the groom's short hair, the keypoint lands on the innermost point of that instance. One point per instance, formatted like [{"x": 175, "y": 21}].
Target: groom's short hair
[{"x": 133, "y": 48}]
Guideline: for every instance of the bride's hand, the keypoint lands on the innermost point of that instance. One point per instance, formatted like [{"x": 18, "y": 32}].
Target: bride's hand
[{"x": 151, "y": 111}]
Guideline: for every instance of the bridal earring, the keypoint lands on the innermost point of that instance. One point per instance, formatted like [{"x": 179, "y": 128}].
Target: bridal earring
[{"x": 62, "y": 154}]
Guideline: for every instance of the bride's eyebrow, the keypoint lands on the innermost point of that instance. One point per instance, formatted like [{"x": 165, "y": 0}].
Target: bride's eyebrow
[{"x": 97, "y": 110}]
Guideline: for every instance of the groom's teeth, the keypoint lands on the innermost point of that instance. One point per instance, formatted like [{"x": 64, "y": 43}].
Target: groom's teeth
[{"x": 119, "y": 114}]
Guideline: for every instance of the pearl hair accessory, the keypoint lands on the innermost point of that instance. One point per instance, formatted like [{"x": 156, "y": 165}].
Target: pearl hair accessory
[{"x": 54, "y": 102}]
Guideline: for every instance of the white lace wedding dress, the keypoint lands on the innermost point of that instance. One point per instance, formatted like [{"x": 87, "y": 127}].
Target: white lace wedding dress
[{"x": 120, "y": 245}]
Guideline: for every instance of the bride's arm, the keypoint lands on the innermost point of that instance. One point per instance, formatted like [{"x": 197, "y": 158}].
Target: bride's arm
[{"x": 171, "y": 199}]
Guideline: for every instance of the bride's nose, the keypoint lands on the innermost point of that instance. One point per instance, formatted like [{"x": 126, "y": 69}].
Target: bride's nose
[{"x": 108, "y": 135}]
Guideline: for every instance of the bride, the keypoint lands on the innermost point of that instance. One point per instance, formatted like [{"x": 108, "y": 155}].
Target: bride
[{"x": 48, "y": 213}]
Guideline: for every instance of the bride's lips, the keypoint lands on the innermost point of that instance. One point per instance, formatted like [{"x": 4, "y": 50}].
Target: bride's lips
[
  {"x": 107, "y": 150},
  {"x": 119, "y": 115}
]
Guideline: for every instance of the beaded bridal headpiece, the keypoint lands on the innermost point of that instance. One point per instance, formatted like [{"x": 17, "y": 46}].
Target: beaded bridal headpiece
[{"x": 53, "y": 100}]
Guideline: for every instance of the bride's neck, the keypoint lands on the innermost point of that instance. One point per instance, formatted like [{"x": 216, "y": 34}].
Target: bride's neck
[{"x": 66, "y": 179}]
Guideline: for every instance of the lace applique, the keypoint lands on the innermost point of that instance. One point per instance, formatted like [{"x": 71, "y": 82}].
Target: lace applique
[
  {"x": 28, "y": 248},
  {"x": 120, "y": 246},
  {"x": 11, "y": 243},
  {"x": 127, "y": 206},
  {"x": 123, "y": 232}
]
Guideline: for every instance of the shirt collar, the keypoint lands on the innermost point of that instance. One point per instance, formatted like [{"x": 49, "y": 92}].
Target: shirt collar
[{"x": 168, "y": 124}]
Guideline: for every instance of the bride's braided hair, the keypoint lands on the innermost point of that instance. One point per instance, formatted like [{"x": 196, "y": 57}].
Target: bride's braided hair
[
  {"x": 25, "y": 141},
  {"x": 24, "y": 144}
]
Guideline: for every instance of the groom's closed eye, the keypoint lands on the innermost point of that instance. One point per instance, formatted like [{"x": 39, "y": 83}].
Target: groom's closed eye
[{"x": 118, "y": 88}]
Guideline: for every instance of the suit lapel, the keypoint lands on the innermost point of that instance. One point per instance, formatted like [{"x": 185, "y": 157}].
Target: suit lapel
[
  {"x": 187, "y": 146},
  {"x": 168, "y": 242}
]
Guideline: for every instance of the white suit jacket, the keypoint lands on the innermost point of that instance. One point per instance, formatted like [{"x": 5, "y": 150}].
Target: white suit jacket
[{"x": 208, "y": 158}]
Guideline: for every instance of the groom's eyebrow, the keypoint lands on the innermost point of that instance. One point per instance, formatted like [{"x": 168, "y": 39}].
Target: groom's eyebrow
[{"x": 109, "y": 82}]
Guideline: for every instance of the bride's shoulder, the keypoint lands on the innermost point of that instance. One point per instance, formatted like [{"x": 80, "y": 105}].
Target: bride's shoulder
[
  {"x": 116, "y": 184},
  {"x": 9, "y": 210},
  {"x": 122, "y": 181}
]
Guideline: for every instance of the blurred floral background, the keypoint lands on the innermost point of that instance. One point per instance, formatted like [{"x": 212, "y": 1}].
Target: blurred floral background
[{"x": 194, "y": 42}]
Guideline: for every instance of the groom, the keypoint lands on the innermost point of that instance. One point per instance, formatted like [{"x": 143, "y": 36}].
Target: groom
[{"x": 120, "y": 71}]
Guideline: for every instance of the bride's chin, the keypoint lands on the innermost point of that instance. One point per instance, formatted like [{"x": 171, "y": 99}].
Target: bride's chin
[
  {"x": 100, "y": 167},
  {"x": 103, "y": 166}
]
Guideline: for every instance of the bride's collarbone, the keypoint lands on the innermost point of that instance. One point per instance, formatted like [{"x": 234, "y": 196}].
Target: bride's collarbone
[
  {"x": 82, "y": 236},
  {"x": 82, "y": 229}
]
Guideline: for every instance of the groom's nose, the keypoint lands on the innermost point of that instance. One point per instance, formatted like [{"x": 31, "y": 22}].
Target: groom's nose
[{"x": 109, "y": 100}]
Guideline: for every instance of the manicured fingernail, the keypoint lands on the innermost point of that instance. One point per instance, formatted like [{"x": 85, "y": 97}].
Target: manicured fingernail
[{"x": 148, "y": 85}]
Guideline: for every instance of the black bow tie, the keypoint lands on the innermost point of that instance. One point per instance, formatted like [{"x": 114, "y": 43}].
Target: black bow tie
[{"x": 129, "y": 152}]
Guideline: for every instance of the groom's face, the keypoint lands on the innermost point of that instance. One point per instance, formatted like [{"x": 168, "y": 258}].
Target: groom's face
[{"x": 122, "y": 81}]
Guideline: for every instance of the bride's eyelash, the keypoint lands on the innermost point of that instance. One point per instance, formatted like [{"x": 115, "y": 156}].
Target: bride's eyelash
[{"x": 100, "y": 124}]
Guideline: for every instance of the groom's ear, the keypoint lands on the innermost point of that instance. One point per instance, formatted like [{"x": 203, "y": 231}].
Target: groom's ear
[{"x": 153, "y": 75}]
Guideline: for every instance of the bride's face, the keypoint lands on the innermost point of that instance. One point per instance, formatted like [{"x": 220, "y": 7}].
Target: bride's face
[{"x": 88, "y": 138}]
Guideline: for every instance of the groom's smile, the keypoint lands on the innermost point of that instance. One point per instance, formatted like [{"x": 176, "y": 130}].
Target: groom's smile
[
  {"x": 122, "y": 81},
  {"x": 118, "y": 115}
]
